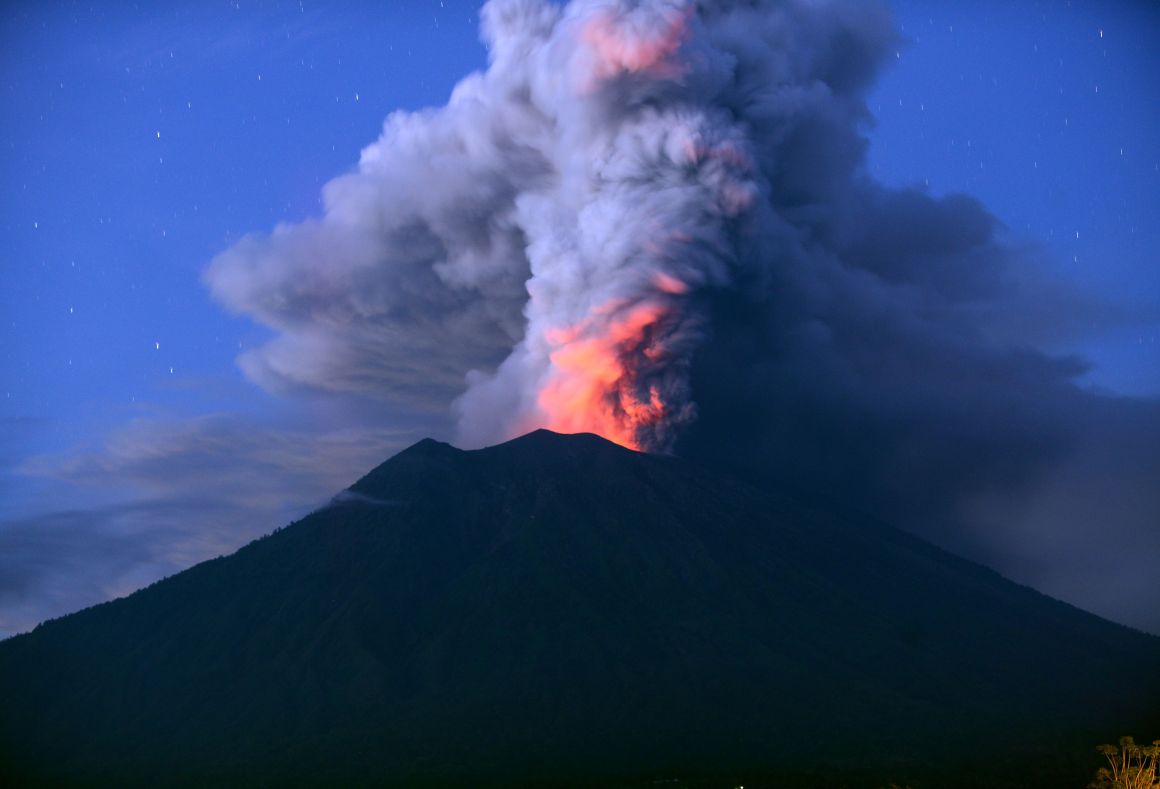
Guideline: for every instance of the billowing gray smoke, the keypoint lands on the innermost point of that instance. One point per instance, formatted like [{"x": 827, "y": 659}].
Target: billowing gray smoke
[
  {"x": 594, "y": 179},
  {"x": 651, "y": 220}
]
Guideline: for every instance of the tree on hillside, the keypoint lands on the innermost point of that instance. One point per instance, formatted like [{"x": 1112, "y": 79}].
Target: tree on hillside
[{"x": 1130, "y": 766}]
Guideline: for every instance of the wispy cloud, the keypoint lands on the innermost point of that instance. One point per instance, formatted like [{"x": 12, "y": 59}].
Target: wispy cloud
[{"x": 186, "y": 489}]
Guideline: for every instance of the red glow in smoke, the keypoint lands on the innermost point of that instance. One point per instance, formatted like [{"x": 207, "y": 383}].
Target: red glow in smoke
[
  {"x": 667, "y": 283},
  {"x": 594, "y": 386},
  {"x": 620, "y": 49}
]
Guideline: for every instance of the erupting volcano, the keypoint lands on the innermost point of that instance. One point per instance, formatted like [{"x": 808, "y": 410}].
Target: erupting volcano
[
  {"x": 792, "y": 389},
  {"x": 654, "y": 220}
]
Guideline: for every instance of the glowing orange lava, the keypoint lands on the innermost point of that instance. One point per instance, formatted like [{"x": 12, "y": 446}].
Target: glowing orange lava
[{"x": 594, "y": 387}]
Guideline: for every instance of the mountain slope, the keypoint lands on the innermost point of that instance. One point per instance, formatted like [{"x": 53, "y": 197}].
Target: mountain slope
[{"x": 560, "y": 609}]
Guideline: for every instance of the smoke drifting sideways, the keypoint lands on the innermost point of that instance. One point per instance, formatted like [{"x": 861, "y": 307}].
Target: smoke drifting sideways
[{"x": 651, "y": 220}]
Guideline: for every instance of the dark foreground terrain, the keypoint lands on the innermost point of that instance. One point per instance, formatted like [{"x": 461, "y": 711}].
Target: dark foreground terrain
[{"x": 558, "y": 610}]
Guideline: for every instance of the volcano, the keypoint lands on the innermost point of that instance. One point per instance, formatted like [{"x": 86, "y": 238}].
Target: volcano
[{"x": 559, "y": 610}]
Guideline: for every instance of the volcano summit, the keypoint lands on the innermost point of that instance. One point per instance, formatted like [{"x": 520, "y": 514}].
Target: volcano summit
[{"x": 559, "y": 610}]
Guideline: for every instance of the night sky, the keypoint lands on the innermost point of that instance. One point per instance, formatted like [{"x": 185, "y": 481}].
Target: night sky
[{"x": 137, "y": 144}]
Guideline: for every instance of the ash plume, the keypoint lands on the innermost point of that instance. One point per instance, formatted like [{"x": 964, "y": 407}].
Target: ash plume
[{"x": 651, "y": 220}]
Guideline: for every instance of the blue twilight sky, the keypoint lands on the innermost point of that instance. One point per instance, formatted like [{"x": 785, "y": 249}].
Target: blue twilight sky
[{"x": 139, "y": 140}]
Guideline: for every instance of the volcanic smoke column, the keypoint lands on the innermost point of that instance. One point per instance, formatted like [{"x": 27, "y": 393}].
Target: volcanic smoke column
[{"x": 645, "y": 177}]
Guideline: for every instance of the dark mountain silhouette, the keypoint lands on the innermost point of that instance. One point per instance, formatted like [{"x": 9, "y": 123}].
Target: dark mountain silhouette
[{"x": 559, "y": 610}]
